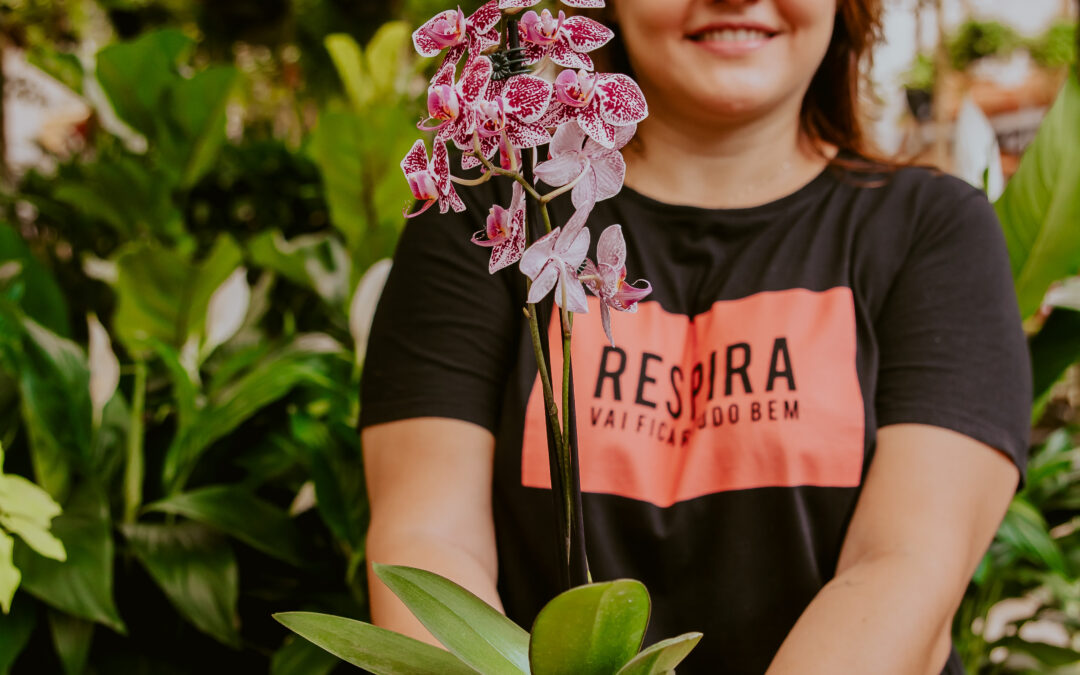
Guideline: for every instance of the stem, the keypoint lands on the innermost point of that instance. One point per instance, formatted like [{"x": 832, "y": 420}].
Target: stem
[
  {"x": 472, "y": 181},
  {"x": 516, "y": 175},
  {"x": 567, "y": 324},
  {"x": 545, "y": 216},
  {"x": 545, "y": 378},
  {"x": 566, "y": 188},
  {"x": 134, "y": 469}
]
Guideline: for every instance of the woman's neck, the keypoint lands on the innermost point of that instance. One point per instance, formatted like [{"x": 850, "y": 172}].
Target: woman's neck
[{"x": 711, "y": 165}]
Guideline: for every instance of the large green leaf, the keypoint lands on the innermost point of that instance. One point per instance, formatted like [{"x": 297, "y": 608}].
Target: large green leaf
[
  {"x": 592, "y": 629},
  {"x": 662, "y": 657},
  {"x": 196, "y": 111},
  {"x": 136, "y": 74},
  {"x": 470, "y": 628},
  {"x": 300, "y": 657},
  {"x": 315, "y": 261},
  {"x": 1046, "y": 654},
  {"x": 196, "y": 569},
  {"x": 72, "y": 638},
  {"x": 240, "y": 514},
  {"x": 163, "y": 294},
  {"x": 9, "y": 574},
  {"x": 1041, "y": 204},
  {"x": 300, "y": 362},
  {"x": 83, "y": 584},
  {"x": 1025, "y": 530},
  {"x": 349, "y": 62},
  {"x": 15, "y": 630},
  {"x": 42, "y": 300},
  {"x": 1054, "y": 348},
  {"x": 383, "y": 56},
  {"x": 375, "y": 649}
]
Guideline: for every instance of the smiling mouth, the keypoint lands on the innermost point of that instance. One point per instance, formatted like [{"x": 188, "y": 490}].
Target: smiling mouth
[{"x": 732, "y": 35}]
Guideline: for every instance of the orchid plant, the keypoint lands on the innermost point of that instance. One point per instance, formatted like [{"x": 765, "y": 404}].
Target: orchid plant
[{"x": 484, "y": 101}]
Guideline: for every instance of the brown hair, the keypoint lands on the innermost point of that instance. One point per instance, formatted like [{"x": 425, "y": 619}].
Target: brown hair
[{"x": 830, "y": 110}]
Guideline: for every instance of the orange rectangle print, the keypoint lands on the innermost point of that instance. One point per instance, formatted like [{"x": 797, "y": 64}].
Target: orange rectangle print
[{"x": 757, "y": 392}]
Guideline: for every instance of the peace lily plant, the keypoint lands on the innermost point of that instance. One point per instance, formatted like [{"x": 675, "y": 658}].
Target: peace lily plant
[{"x": 493, "y": 111}]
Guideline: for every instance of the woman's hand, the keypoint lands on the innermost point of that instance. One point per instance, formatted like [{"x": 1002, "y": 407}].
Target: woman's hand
[
  {"x": 429, "y": 484},
  {"x": 928, "y": 510}
]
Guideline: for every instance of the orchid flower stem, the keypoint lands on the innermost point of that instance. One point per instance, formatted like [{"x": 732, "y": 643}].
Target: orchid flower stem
[
  {"x": 516, "y": 174},
  {"x": 567, "y": 326},
  {"x": 545, "y": 377},
  {"x": 472, "y": 181},
  {"x": 544, "y": 214},
  {"x": 566, "y": 188}
]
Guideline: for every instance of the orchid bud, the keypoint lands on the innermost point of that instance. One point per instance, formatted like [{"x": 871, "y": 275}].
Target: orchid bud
[
  {"x": 575, "y": 89},
  {"x": 447, "y": 30},
  {"x": 541, "y": 29}
]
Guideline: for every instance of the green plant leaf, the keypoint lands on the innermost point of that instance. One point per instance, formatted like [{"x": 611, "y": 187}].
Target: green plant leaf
[
  {"x": 240, "y": 514},
  {"x": 196, "y": 108},
  {"x": 136, "y": 74},
  {"x": 196, "y": 569},
  {"x": 383, "y": 55},
  {"x": 1025, "y": 529},
  {"x": 662, "y": 657},
  {"x": 72, "y": 638},
  {"x": 20, "y": 497},
  {"x": 375, "y": 649},
  {"x": 349, "y": 62},
  {"x": 470, "y": 628},
  {"x": 83, "y": 584},
  {"x": 42, "y": 301},
  {"x": 1054, "y": 348},
  {"x": 1047, "y": 655},
  {"x": 1041, "y": 205},
  {"x": 9, "y": 574},
  {"x": 15, "y": 630},
  {"x": 301, "y": 657},
  {"x": 36, "y": 537},
  {"x": 316, "y": 261},
  {"x": 591, "y": 629}
]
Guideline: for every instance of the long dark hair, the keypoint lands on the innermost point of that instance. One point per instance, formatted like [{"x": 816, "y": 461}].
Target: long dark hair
[{"x": 830, "y": 109}]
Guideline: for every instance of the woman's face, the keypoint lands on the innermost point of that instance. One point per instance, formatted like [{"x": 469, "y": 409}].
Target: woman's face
[{"x": 725, "y": 60}]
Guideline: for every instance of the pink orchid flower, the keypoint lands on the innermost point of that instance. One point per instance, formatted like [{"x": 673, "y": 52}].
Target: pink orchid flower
[
  {"x": 514, "y": 107},
  {"x": 451, "y": 106},
  {"x": 563, "y": 40},
  {"x": 450, "y": 30},
  {"x": 552, "y": 262},
  {"x": 429, "y": 179},
  {"x": 524, "y": 4},
  {"x": 607, "y": 280},
  {"x": 505, "y": 232},
  {"x": 596, "y": 172},
  {"x": 598, "y": 102}
]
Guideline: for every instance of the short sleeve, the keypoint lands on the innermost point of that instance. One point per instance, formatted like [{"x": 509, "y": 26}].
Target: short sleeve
[
  {"x": 444, "y": 331},
  {"x": 952, "y": 349}
]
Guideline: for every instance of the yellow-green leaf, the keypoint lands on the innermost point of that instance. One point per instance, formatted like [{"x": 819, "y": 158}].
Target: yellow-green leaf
[{"x": 36, "y": 537}]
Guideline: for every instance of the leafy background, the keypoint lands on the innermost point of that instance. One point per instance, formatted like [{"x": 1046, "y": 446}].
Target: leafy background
[{"x": 181, "y": 336}]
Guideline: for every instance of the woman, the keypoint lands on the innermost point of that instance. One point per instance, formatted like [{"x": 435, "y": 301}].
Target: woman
[{"x": 804, "y": 440}]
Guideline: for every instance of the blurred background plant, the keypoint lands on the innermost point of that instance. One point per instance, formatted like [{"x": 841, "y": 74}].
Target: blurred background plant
[{"x": 188, "y": 264}]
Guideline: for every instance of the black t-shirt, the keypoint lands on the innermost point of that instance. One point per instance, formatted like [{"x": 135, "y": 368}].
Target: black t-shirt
[{"x": 724, "y": 438}]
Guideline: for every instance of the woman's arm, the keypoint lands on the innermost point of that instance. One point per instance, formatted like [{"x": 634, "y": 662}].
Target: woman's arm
[
  {"x": 429, "y": 484},
  {"x": 929, "y": 508}
]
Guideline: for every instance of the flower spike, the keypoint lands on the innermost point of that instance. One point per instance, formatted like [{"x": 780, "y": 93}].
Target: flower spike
[
  {"x": 450, "y": 30},
  {"x": 563, "y": 40}
]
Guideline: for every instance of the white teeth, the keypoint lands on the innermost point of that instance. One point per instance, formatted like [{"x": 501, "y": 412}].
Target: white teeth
[{"x": 733, "y": 35}]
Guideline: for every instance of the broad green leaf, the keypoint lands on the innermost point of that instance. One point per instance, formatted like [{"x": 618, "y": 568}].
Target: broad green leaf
[
  {"x": 301, "y": 657},
  {"x": 83, "y": 584},
  {"x": 592, "y": 629},
  {"x": 383, "y": 55},
  {"x": 1041, "y": 205},
  {"x": 34, "y": 535},
  {"x": 337, "y": 146},
  {"x": 43, "y": 300},
  {"x": 375, "y": 649},
  {"x": 1054, "y": 348},
  {"x": 15, "y": 630},
  {"x": 196, "y": 110},
  {"x": 72, "y": 638},
  {"x": 294, "y": 364},
  {"x": 661, "y": 657},
  {"x": 240, "y": 514},
  {"x": 470, "y": 628},
  {"x": 349, "y": 63},
  {"x": 196, "y": 569},
  {"x": 20, "y": 497},
  {"x": 1046, "y": 654},
  {"x": 9, "y": 574},
  {"x": 1025, "y": 529},
  {"x": 315, "y": 261},
  {"x": 136, "y": 74}
]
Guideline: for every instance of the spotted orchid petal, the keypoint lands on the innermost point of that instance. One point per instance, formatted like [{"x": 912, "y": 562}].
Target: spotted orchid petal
[
  {"x": 571, "y": 248},
  {"x": 564, "y": 55},
  {"x": 621, "y": 100},
  {"x": 504, "y": 232},
  {"x": 429, "y": 180},
  {"x": 542, "y": 28},
  {"x": 475, "y": 79},
  {"x": 517, "y": 4},
  {"x": 584, "y": 4},
  {"x": 528, "y": 97},
  {"x": 562, "y": 168},
  {"x": 611, "y": 247},
  {"x": 584, "y": 35},
  {"x": 537, "y": 255},
  {"x": 607, "y": 280},
  {"x": 484, "y": 19},
  {"x": 440, "y": 165},
  {"x": 608, "y": 172},
  {"x": 445, "y": 29},
  {"x": 543, "y": 283},
  {"x": 576, "y": 301},
  {"x": 552, "y": 263}
]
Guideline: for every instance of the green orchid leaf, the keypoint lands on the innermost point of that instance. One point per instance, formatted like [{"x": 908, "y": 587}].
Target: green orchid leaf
[
  {"x": 375, "y": 649},
  {"x": 240, "y": 514},
  {"x": 662, "y": 657},
  {"x": 470, "y": 628},
  {"x": 196, "y": 569},
  {"x": 36, "y": 537},
  {"x": 590, "y": 630},
  {"x": 16, "y": 627},
  {"x": 1040, "y": 207},
  {"x": 301, "y": 657},
  {"x": 9, "y": 574},
  {"x": 82, "y": 585},
  {"x": 72, "y": 638}
]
